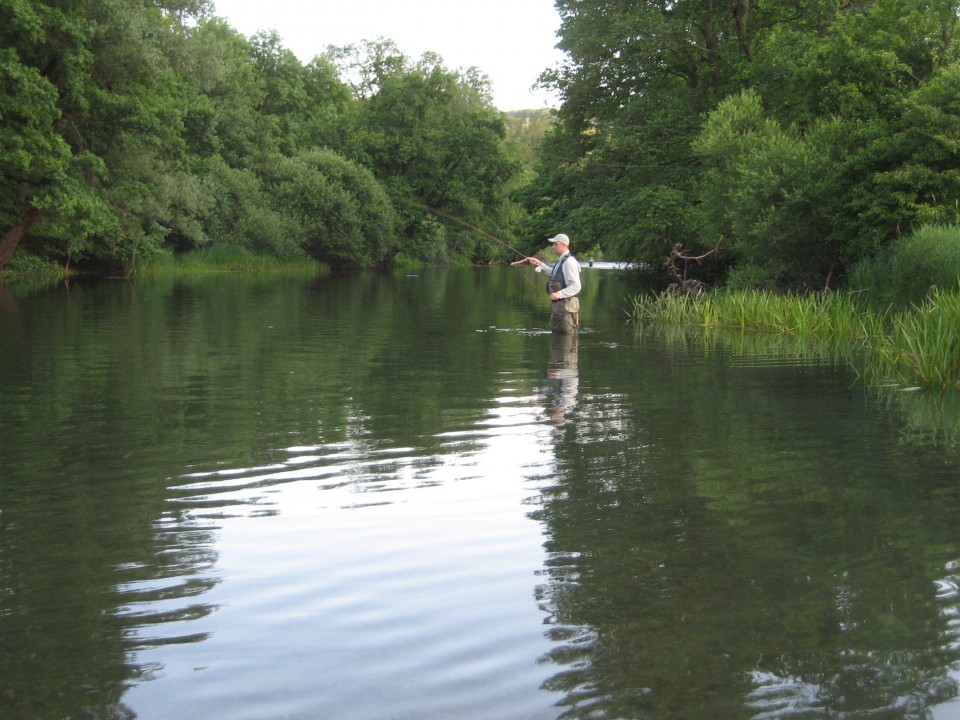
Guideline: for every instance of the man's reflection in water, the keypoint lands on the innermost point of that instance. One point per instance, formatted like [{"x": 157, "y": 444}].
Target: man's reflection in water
[{"x": 563, "y": 378}]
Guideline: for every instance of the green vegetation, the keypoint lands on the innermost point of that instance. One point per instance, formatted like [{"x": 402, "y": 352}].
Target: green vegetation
[
  {"x": 813, "y": 145},
  {"x": 134, "y": 131},
  {"x": 908, "y": 271},
  {"x": 803, "y": 137},
  {"x": 526, "y": 130},
  {"x": 795, "y": 147},
  {"x": 828, "y": 315},
  {"x": 228, "y": 258},
  {"x": 897, "y": 320},
  {"x": 915, "y": 346}
]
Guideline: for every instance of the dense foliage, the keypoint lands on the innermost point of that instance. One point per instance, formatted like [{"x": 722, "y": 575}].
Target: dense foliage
[
  {"x": 138, "y": 129},
  {"x": 799, "y": 138},
  {"x": 803, "y": 136}
]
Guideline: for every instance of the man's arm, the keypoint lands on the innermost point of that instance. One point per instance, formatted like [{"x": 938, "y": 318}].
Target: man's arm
[{"x": 571, "y": 274}]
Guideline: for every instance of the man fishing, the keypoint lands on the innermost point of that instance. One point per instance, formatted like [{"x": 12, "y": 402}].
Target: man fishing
[{"x": 563, "y": 286}]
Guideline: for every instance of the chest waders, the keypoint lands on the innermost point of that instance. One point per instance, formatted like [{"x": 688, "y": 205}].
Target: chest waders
[{"x": 565, "y": 312}]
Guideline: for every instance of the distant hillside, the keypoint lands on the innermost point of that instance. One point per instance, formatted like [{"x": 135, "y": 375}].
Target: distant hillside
[{"x": 525, "y": 130}]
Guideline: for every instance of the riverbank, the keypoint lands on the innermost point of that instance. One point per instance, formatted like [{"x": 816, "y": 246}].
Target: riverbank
[
  {"x": 915, "y": 346},
  {"x": 228, "y": 258},
  {"x": 24, "y": 267}
]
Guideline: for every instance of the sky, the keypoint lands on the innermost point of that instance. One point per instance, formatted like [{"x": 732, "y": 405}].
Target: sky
[{"x": 511, "y": 41}]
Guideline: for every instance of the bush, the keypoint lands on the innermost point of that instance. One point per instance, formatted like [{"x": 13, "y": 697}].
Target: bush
[
  {"x": 910, "y": 269},
  {"x": 24, "y": 264},
  {"x": 750, "y": 277},
  {"x": 341, "y": 214}
]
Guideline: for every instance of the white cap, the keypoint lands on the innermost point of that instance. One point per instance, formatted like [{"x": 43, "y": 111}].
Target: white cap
[{"x": 560, "y": 238}]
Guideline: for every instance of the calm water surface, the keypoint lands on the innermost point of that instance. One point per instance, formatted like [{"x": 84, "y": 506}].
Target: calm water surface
[{"x": 395, "y": 496}]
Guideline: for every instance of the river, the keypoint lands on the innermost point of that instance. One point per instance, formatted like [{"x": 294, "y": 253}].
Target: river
[{"x": 391, "y": 496}]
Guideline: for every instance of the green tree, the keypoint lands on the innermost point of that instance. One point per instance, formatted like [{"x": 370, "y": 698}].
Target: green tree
[
  {"x": 828, "y": 159},
  {"x": 304, "y": 102},
  {"x": 525, "y": 131},
  {"x": 434, "y": 139},
  {"x": 918, "y": 176},
  {"x": 130, "y": 129},
  {"x": 340, "y": 214},
  {"x": 125, "y": 185},
  {"x": 853, "y": 145},
  {"x": 229, "y": 138},
  {"x": 223, "y": 92},
  {"x": 36, "y": 158},
  {"x": 768, "y": 194},
  {"x": 33, "y": 156},
  {"x": 617, "y": 170}
]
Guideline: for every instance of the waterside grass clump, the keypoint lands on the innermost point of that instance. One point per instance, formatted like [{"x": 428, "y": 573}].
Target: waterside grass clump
[{"x": 915, "y": 346}]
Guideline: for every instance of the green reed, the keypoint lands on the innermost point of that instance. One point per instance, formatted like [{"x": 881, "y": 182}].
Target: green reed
[
  {"x": 923, "y": 343},
  {"x": 918, "y": 345}
]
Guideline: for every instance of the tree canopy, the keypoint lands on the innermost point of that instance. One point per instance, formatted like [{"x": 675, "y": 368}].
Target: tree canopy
[
  {"x": 131, "y": 129},
  {"x": 798, "y": 137},
  {"x": 802, "y": 136}
]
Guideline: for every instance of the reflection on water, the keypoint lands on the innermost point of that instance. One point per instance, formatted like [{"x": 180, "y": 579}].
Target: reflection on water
[
  {"x": 373, "y": 497},
  {"x": 563, "y": 376},
  {"x": 757, "y": 548}
]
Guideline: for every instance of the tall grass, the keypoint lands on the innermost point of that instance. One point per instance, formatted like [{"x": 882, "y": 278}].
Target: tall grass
[
  {"x": 919, "y": 345},
  {"x": 923, "y": 343},
  {"x": 907, "y": 271},
  {"x": 898, "y": 320},
  {"x": 827, "y": 314}
]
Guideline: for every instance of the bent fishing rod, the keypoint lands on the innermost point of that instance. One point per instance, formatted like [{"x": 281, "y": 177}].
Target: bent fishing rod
[{"x": 447, "y": 215}]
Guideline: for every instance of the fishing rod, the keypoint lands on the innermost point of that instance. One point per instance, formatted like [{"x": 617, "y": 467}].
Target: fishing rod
[
  {"x": 474, "y": 227},
  {"x": 442, "y": 213}
]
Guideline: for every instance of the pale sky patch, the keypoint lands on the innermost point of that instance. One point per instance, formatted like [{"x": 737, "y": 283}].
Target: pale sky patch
[{"x": 510, "y": 41}]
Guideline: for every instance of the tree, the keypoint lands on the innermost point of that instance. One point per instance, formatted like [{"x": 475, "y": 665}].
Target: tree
[
  {"x": 305, "y": 102},
  {"x": 131, "y": 128},
  {"x": 800, "y": 177},
  {"x": 433, "y": 138},
  {"x": 123, "y": 185},
  {"x": 339, "y": 213},
  {"x": 853, "y": 146},
  {"x": 768, "y": 195},
  {"x": 617, "y": 170},
  {"x": 33, "y": 156}
]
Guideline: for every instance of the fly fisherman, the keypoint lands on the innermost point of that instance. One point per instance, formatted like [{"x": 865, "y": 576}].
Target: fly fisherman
[{"x": 563, "y": 286}]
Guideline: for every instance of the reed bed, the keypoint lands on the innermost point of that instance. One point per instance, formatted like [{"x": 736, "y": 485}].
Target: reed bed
[
  {"x": 917, "y": 346},
  {"x": 923, "y": 343}
]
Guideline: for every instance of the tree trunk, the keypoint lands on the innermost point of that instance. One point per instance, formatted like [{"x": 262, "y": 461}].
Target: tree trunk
[
  {"x": 12, "y": 237},
  {"x": 741, "y": 15}
]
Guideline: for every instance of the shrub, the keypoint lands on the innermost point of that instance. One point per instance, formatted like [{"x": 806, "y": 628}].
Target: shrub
[{"x": 910, "y": 269}]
